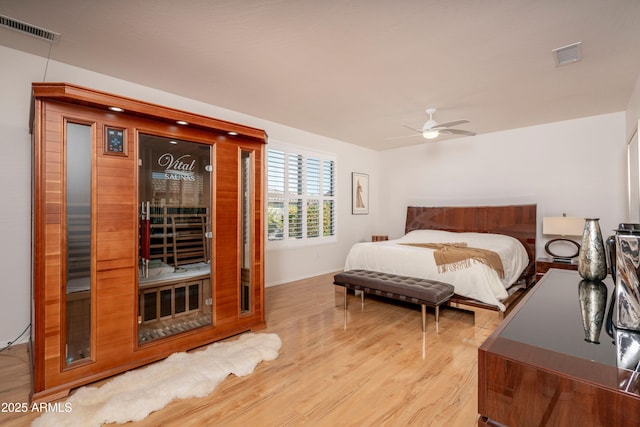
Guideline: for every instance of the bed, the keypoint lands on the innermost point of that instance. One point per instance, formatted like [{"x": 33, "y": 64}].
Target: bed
[{"x": 508, "y": 231}]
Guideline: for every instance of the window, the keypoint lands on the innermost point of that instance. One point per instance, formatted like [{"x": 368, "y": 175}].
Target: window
[{"x": 301, "y": 202}]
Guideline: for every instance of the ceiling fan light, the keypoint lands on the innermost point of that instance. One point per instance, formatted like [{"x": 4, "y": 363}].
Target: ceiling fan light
[{"x": 430, "y": 134}]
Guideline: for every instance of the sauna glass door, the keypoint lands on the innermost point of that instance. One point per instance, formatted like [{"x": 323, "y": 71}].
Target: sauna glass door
[
  {"x": 78, "y": 241},
  {"x": 174, "y": 263},
  {"x": 246, "y": 219}
]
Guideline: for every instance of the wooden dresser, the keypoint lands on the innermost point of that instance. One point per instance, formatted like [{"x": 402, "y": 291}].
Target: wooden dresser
[{"x": 537, "y": 368}]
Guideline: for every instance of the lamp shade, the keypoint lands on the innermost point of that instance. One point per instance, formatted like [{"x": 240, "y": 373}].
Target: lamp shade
[{"x": 563, "y": 225}]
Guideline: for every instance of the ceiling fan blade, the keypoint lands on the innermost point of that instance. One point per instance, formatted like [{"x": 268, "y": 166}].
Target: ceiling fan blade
[
  {"x": 451, "y": 124},
  {"x": 457, "y": 132},
  {"x": 402, "y": 137},
  {"x": 413, "y": 129}
]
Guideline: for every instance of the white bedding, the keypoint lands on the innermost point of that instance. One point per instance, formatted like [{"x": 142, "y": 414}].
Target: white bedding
[{"x": 479, "y": 281}]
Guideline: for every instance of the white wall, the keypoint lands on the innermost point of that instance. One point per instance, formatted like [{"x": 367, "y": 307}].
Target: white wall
[
  {"x": 633, "y": 111},
  {"x": 17, "y": 73},
  {"x": 577, "y": 167},
  {"x": 632, "y": 121}
]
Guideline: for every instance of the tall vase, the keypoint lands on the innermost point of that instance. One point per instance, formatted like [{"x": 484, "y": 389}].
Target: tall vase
[
  {"x": 592, "y": 260},
  {"x": 593, "y": 304}
]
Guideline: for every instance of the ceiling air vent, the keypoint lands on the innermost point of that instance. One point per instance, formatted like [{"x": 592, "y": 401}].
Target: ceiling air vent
[
  {"x": 32, "y": 30},
  {"x": 568, "y": 54}
]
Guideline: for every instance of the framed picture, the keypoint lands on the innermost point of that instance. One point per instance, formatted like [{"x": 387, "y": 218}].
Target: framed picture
[
  {"x": 115, "y": 141},
  {"x": 359, "y": 193}
]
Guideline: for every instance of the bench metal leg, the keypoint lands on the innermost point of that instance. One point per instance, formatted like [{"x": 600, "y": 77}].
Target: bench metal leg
[
  {"x": 424, "y": 311},
  {"x": 346, "y": 291},
  {"x": 424, "y": 318}
]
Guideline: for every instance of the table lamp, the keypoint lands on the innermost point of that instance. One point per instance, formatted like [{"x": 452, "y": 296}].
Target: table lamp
[{"x": 562, "y": 226}]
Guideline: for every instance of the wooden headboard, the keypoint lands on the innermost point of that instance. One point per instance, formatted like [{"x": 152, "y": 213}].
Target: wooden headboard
[{"x": 518, "y": 221}]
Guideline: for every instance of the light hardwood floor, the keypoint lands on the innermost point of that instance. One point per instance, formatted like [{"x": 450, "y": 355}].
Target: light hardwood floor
[{"x": 378, "y": 371}]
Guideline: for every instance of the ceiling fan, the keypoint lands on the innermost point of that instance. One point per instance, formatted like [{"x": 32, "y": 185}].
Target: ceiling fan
[{"x": 431, "y": 129}]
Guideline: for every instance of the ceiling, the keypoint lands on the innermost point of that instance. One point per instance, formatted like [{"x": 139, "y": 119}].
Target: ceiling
[{"x": 355, "y": 70}]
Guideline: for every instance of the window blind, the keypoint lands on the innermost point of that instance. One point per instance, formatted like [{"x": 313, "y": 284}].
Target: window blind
[{"x": 300, "y": 196}]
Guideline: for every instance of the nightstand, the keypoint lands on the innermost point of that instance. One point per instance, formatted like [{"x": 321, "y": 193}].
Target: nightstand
[{"x": 544, "y": 264}]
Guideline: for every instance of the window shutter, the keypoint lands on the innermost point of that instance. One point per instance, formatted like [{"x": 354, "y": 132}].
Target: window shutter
[
  {"x": 275, "y": 172},
  {"x": 328, "y": 220},
  {"x": 295, "y": 219},
  {"x": 328, "y": 190},
  {"x": 275, "y": 218},
  {"x": 328, "y": 178},
  {"x": 313, "y": 177},
  {"x": 295, "y": 174},
  {"x": 300, "y": 196},
  {"x": 275, "y": 189},
  {"x": 313, "y": 218}
]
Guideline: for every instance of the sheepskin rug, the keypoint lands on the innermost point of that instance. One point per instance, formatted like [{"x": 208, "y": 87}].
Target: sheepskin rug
[{"x": 135, "y": 394}]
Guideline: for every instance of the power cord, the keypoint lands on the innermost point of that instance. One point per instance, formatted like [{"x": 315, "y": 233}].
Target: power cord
[{"x": 10, "y": 343}]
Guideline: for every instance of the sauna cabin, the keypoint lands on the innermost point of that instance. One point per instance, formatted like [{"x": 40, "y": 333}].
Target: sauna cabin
[{"x": 148, "y": 234}]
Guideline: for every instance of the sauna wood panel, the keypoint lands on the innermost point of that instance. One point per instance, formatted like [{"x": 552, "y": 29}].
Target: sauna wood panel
[{"x": 228, "y": 309}]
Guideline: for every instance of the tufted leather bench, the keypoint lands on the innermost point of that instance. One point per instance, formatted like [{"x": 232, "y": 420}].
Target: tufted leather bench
[{"x": 403, "y": 288}]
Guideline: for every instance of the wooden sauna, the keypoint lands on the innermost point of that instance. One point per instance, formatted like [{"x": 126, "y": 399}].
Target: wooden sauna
[{"x": 147, "y": 234}]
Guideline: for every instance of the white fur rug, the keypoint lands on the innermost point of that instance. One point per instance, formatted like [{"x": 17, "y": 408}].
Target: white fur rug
[{"x": 135, "y": 394}]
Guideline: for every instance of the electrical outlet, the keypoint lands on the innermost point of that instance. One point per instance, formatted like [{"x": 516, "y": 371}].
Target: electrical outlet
[{"x": 208, "y": 301}]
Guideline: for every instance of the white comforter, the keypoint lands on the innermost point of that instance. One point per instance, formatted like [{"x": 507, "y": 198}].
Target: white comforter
[{"x": 479, "y": 281}]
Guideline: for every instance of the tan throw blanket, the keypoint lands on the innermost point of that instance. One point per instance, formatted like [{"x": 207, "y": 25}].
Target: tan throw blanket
[{"x": 454, "y": 256}]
